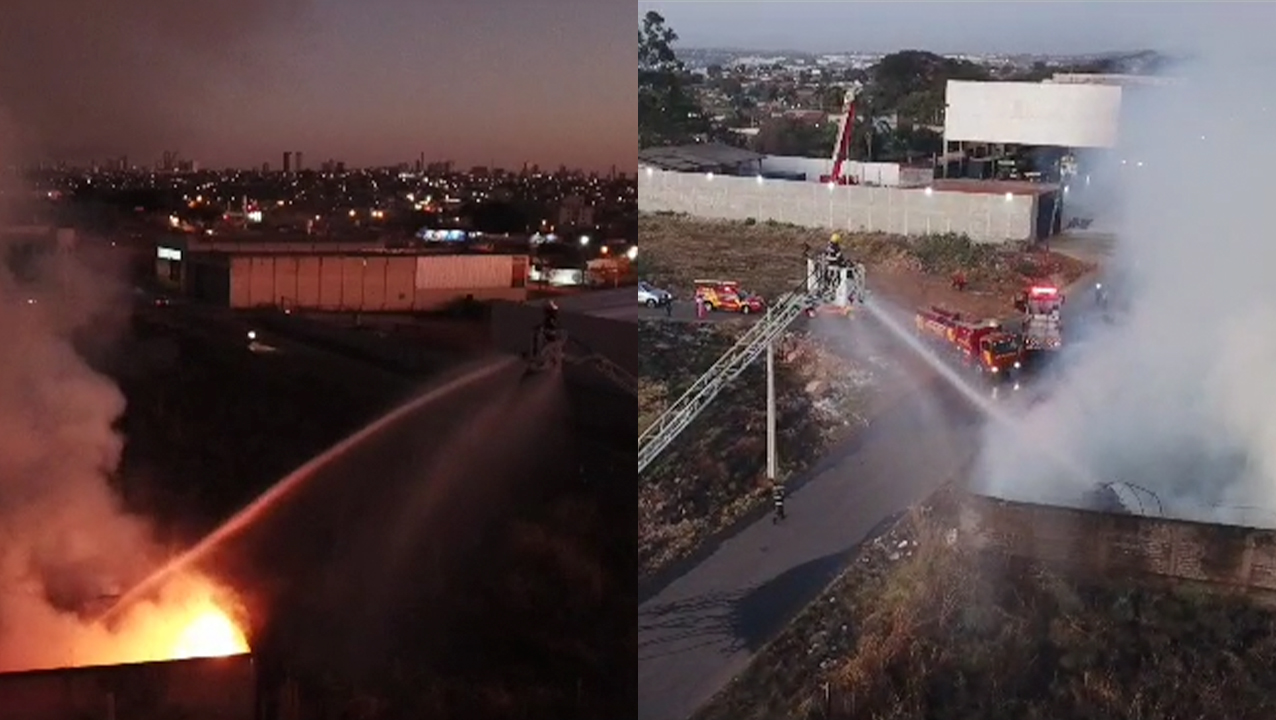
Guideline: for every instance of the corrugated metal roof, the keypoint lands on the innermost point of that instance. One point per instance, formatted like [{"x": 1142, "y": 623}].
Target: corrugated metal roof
[{"x": 707, "y": 157}]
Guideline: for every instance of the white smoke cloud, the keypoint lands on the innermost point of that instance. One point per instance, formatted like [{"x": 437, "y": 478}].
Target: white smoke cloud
[
  {"x": 1181, "y": 398},
  {"x": 64, "y": 539}
]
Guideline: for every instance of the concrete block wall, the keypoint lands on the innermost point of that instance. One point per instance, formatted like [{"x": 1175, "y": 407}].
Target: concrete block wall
[
  {"x": 1091, "y": 543},
  {"x": 914, "y": 211}
]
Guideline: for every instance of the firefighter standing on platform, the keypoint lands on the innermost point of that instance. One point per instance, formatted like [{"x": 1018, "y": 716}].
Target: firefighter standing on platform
[
  {"x": 551, "y": 321},
  {"x": 548, "y": 332},
  {"x": 834, "y": 260},
  {"x": 833, "y": 252}
]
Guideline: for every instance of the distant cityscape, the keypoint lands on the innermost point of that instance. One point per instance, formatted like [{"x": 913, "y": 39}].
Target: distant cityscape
[
  {"x": 290, "y": 161},
  {"x": 701, "y": 59},
  {"x": 338, "y": 201},
  {"x": 790, "y": 103}
]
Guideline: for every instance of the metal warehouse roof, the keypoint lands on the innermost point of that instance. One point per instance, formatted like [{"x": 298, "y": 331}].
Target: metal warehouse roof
[{"x": 706, "y": 157}]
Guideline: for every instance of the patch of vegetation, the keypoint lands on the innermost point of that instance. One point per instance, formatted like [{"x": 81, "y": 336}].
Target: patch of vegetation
[
  {"x": 767, "y": 257},
  {"x": 922, "y": 628},
  {"x": 950, "y": 252}
]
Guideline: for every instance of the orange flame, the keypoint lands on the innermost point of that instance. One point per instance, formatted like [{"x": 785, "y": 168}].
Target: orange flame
[
  {"x": 190, "y": 618},
  {"x": 210, "y": 634}
]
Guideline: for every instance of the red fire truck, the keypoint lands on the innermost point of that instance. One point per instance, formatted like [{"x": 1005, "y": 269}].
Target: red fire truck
[
  {"x": 727, "y": 296},
  {"x": 980, "y": 345},
  {"x": 1041, "y": 306}
]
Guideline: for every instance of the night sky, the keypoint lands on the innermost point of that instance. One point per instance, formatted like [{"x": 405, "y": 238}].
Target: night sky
[{"x": 237, "y": 82}]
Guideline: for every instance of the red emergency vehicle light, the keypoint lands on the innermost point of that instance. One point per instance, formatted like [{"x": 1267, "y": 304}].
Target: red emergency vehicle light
[{"x": 1043, "y": 290}]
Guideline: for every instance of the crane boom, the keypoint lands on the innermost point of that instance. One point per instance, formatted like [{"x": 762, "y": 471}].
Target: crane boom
[
  {"x": 842, "y": 142},
  {"x": 824, "y": 284}
]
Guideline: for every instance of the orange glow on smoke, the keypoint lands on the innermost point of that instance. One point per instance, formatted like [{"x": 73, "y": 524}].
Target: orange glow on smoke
[{"x": 190, "y": 618}]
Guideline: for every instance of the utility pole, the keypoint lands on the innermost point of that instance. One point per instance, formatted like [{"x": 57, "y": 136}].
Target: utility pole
[{"x": 770, "y": 411}]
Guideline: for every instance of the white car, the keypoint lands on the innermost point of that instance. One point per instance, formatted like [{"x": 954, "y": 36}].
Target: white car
[{"x": 652, "y": 296}]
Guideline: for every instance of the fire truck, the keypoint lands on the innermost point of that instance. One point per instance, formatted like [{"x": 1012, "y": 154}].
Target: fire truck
[
  {"x": 726, "y": 295},
  {"x": 982, "y": 346},
  {"x": 1041, "y": 306}
]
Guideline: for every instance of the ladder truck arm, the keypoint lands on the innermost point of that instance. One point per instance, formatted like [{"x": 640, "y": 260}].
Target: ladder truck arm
[
  {"x": 551, "y": 349},
  {"x": 824, "y": 285},
  {"x": 842, "y": 142}
]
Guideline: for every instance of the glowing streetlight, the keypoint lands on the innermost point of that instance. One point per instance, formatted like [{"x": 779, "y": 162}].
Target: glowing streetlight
[
  {"x": 632, "y": 252},
  {"x": 584, "y": 240}
]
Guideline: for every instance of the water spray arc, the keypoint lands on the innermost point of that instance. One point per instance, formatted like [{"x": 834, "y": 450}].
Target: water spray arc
[
  {"x": 290, "y": 484},
  {"x": 984, "y": 404}
]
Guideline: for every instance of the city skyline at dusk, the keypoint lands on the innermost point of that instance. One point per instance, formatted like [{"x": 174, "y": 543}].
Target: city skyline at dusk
[{"x": 378, "y": 83}]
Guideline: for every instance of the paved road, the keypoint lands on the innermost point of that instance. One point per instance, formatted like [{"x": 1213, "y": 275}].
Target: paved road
[{"x": 704, "y": 627}]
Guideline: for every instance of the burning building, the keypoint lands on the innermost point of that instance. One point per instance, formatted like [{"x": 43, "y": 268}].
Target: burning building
[{"x": 223, "y": 687}]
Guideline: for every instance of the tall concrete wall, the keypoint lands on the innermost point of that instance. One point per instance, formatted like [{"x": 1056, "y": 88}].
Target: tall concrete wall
[
  {"x": 1222, "y": 557},
  {"x": 856, "y": 208}
]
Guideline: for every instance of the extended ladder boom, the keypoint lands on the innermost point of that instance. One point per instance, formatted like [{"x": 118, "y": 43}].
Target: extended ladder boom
[{"x": 824, "y": 285}]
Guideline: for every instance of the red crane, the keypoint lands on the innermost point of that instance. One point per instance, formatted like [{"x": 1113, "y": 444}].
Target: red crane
[{"x": 842, "y": 143}]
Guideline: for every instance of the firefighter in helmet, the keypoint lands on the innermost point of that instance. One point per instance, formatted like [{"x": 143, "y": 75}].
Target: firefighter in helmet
[
  {"x": 550, "y": 324},
  {"x": 833, "y": 260},
  {"x": 547, "y": 333},
  {"x": 833, "y": 252}
]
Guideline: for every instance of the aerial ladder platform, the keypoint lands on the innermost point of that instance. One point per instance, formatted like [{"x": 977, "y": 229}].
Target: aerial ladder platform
[
  {"x": 826, "y": 284},
  {"x": 552, "y": 348}
]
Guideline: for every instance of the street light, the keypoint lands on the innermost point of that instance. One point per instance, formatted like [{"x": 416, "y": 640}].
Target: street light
[
  {"x": 632, "y": 252},
  {"x": 584, "y": 240}
]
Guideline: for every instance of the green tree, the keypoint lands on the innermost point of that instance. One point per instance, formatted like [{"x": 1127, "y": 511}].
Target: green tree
[
  {"x": 731, "y": 87},
  {"x": 831, "y": 99},
  {"x": 787, "y": 136},
  {"x": 912, "y": 86},
  {"x": 667, "y": 112}
]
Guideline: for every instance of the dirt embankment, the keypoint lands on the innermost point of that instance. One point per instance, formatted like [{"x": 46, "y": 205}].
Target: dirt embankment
[
  {"x": 909, "y": 272},
  {"x": 921, "y": 627}
]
